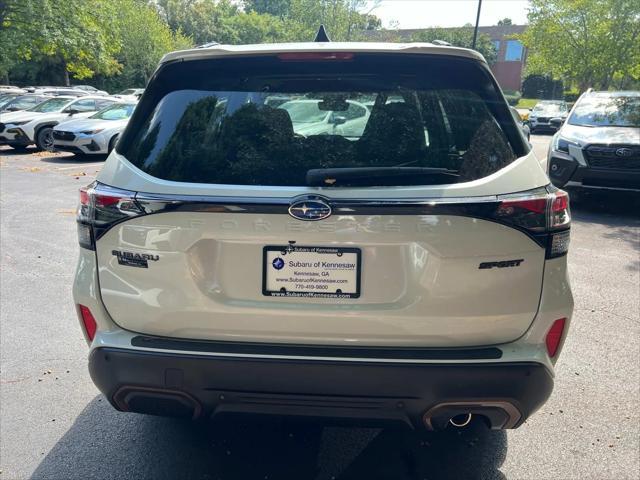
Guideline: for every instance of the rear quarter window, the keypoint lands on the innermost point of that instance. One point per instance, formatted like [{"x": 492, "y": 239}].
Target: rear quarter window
[{"x": 266, "y": 121}]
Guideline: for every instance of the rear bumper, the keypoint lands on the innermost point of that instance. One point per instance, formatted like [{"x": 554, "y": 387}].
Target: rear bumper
[
  {"x": 542, "y": 126},
  {"x": 14, "y": 136},
  {"x": 416, "y": 394}
]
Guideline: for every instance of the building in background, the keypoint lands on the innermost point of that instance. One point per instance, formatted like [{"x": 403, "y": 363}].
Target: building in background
[
  {"x": 512, "y": 55},
  {"x": 511, "y": 58}
]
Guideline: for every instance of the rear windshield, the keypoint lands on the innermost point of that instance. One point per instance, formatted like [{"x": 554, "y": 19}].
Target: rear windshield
[
  {"x": 369, "y": 120},
  {"x": 607, "y": 111}
]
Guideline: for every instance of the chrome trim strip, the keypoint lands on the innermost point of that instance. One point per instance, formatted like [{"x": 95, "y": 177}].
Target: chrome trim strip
[{"x": 152, "y": 203}]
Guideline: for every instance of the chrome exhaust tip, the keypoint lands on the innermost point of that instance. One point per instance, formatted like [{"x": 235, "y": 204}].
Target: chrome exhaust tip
[{"x": 461, "y": 420}]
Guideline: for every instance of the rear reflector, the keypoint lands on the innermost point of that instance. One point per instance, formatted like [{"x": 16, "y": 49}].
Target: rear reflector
[
  {"x": 315, "y": 56},
  {"x": 554, "y": 336},
  {"x": 559, "y": 244},
  {"x": 88, "y": 321}
]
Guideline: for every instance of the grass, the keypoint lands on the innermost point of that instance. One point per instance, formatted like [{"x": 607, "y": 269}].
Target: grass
[{"x": 527, "y": 102}]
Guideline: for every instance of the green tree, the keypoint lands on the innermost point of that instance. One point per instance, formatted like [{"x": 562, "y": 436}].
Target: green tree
[
  {"x": 590, "y": 43},
  {"x": 204, "y": 21},
  {"x": 505, "y": 21},
  {"x": 77, "y": 35},
  {"x": 344, "y": 20},
  {"x": 459, "y": 37},
  {"x": 277, "y": 8},
  {"x": 144, "y": 37}
]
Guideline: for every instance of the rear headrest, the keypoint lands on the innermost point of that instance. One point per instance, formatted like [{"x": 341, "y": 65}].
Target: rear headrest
[{"x": 394, "y": 134}]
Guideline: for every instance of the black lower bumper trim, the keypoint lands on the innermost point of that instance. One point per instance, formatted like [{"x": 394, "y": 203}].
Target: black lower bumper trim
[{"x": 204, "y": 386}]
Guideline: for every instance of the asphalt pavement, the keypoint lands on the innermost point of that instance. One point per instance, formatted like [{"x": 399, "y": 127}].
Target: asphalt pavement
[{"x": 55, "y": 425}]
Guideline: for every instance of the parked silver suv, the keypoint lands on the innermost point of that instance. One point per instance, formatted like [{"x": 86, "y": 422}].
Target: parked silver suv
[
  {"x": 413, "y": 270},
  {"x": 598, "y": 146}
]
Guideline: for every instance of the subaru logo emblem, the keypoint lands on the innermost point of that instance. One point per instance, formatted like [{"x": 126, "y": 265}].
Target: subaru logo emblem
[
  {"x": 624, "y": 152},
  {"x": 309, "y": 209}
]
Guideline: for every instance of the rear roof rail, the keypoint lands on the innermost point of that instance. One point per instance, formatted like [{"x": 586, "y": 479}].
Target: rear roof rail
[{"x": 208, "y": 44}]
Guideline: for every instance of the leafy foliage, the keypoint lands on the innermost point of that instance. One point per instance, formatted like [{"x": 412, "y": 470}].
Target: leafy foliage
[
  {"x": 542, "y": 86},
  {"x": 77, "y": 34},
  {"x": 591, "y": 43}
]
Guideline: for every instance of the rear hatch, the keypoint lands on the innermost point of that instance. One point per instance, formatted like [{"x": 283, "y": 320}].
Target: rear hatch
[{"x": 392, "y": 223}]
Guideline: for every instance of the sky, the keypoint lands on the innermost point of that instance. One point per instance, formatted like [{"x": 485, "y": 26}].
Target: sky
[{"x": 448, "y": 13}]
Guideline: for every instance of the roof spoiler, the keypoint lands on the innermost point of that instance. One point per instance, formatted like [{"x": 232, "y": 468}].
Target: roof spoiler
[{"x": 322, "y": 36}]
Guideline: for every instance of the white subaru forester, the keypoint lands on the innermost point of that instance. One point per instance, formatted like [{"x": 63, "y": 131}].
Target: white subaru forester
[{"x": 409, "y": 268}]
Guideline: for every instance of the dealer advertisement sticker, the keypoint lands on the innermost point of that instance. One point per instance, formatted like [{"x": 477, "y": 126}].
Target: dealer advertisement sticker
[{"x": 313, "y": 272}]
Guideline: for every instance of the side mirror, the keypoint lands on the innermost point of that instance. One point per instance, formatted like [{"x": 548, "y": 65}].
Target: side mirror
[
  {"x": 556, "y": 122},
  {"x": 72, "y": 111},
  {"x": 338, "y": 120}
]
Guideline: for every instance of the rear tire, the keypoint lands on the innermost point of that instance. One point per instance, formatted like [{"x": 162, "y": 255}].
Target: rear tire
[
  {"x": 112, "y": 143},
  {"x": 44, "y": 139}
]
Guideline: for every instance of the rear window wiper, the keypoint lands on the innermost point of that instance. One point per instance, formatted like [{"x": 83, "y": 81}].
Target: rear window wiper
[{"x": 379, "y": 176}]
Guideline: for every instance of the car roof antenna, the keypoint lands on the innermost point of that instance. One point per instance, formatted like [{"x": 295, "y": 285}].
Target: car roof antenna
[{"x": 322, "y": 36}]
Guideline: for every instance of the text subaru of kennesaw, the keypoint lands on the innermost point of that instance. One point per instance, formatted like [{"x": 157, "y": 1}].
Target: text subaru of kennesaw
[{"x": 407, "y": 264}]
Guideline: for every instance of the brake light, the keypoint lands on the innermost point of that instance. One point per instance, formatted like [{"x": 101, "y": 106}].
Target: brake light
[
  {"x": 84, "y": 196},
  {"x": 315, "y": 56},
  {"x": 100, "y": 208},
  {"x": 543, "y": 213},
  {"x": 88, "y": 321},
  {"x": 538, "y": 205},
  {"x": 554, "y": 336},
  {"x": 106, "y": 200}
]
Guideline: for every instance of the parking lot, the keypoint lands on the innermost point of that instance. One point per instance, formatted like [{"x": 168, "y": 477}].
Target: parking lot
[{"x": 55, "y": 425}]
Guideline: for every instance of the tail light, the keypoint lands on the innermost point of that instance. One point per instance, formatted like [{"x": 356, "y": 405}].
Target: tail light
[
  {"x": 543, "y": 214},
  {"x": 100, "y": 208},
  {"x": 88, "y": 321},
  {"x": 554, "y": 336}
]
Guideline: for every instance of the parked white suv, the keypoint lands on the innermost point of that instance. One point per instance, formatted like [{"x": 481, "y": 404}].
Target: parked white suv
[
  {"x": 416, "y": 272},
  {"x": 26, "y": 127},
  {"x": 95, "y": 135}
]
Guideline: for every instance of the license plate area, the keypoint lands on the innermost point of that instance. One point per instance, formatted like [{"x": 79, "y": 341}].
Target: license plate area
[{"x": 311, "y": 272}]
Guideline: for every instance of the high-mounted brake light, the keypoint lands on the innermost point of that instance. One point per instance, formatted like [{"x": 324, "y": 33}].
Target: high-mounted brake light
[
  {"x": 88, "y": 322},
  {"x": 554, "y": 336},
  {"x": 315, "y": 56}
]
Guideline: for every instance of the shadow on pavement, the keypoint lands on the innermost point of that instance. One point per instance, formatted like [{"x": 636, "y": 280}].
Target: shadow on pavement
[
  {"x": 10, "y": 152},
  {"x": 605, "y": 206},
  {"x": 74, "y": 159},
  {"x": 103, "y": 443}
]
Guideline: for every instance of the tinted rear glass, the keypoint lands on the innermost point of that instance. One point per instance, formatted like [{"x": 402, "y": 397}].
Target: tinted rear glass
[{"x": 266, "y": 121}]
